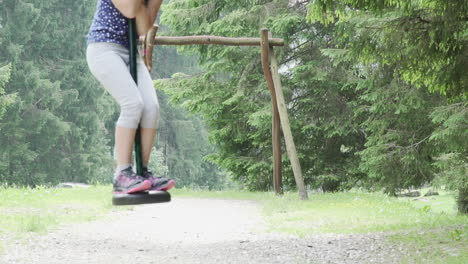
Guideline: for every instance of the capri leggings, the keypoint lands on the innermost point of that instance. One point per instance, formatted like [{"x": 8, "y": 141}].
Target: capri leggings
[{"x": 109, "y": 63}]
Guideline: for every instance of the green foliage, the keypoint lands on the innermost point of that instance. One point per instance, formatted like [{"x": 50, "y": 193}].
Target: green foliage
[
  {"x": 322, "y": 106},
  {"x": 55, "y": 129},
  {"x": 445, "y": 245},
  {"x": 458, "y": 234},
  {"x": 5, "y": 100},
  {"x": 204, "y": 96},
  {"x": 358, "y": 84},
  {"x": 376, "y": 94},
  {"x": 426, "y": 39},
  {"x": 396, "y": 47},
  {"x": 182, "y": 147},
  {"x": 232, "y": 97},
  {"x": 157, "y": 163},
  {"x": 398, "y": 152},
  {"x": 452, "y": 148},
  {"x": 59, "y": 123}
]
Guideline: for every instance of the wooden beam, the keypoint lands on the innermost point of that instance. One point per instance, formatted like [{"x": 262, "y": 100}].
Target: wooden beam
[
  {"x": 276, "y": 128},
  {"x": 280, "y": 116},
  {"x": 213, "y": 40},
  {"x": 290, "y": 146}
]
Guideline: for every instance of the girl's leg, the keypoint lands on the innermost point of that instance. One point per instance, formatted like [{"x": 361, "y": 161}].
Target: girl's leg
[
  {"x": 124, "y": 138},
  {"x": 148, "y": 136},
  {"x": 150, "y": 115},
  {"x": 108, "y": 63},
  {"x": 149, "y": 121}
]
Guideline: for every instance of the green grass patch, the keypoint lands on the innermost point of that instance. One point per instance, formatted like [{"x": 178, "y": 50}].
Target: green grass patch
[
  {"x": 445, "y": 245},
  {"x": 443, "y": 203},
  {"x": 355, "y": 212},
  {"x": 25, "y": 210},
  {"x": 429, "y": 225},
  {"x": 346, "y": 212}
]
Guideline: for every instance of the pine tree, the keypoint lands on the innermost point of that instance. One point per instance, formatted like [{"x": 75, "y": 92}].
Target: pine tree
[
  {"x": 54, "y": 131},
  {"x": 5, "y": 100},
  {"x": 183, "y": 144},
  {"x": 231, "y": 94},
  {"x": 424, "y": 43}
]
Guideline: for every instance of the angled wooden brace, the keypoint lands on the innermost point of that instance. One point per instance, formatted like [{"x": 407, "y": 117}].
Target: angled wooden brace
[{"x": 272, "y": 76}]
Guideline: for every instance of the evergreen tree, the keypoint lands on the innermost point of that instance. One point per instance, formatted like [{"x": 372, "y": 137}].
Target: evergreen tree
[
  {"x": 60, "y": 127},
  {"x": 231, "y": 94},
  {"x": 397, "y": 151},
  {"x": 54, "y": 131},
  {"x": 426, "y": 39},
  {"x": 451, "y": 146},
  {"x": 424, "y": 43},
  {"x": 5, "y": 100},
  {"x": 183, "y": 144}
]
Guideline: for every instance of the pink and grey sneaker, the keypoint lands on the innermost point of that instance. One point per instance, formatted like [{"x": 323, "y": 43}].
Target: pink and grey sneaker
[
  {"x": 158, "y": 183},
  {"x": 128, "y": 181}
]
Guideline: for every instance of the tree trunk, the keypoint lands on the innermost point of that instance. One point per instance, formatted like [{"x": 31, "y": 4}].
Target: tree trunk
[{"x": 462, "y": 200}]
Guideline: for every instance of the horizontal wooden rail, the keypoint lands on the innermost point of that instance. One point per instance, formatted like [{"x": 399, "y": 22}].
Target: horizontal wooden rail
[{"x": 213, "y": 40}]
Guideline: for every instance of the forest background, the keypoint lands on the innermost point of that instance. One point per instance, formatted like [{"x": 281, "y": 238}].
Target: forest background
[{"x": 376, "y": 90}]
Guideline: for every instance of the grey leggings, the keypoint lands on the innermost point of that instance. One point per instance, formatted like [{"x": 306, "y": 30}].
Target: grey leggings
[{"x": 109, "y": 63}]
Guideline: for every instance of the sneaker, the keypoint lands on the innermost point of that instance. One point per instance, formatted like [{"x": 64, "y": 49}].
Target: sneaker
[
  {"x": 158, "y": 183},
  {"x": 128, "y": 181}
]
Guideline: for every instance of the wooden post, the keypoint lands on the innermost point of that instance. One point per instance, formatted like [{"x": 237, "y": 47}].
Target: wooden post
[
  {"x": 271, "y": 76},
  {"x": 276, "y": 129},
  {"x": 148, "y": 44},
  {"x": 290, "y": 146}
]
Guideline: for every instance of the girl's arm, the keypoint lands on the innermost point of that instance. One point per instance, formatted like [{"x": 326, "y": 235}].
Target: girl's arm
[
  {"x": 143, "y": 20},
  {"x": 129, "y": 8},
  {"x": 153, "y": 8},
  {"x": 147, "y": 15}
]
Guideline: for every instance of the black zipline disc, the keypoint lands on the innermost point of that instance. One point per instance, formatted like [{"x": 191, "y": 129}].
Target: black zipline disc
[
  {"x": 141, "y": 198},
  {"x": 148, "y": 196}
]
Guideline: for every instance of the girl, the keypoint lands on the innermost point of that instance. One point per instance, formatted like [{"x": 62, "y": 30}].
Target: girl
[{"x": 108, "y": 60}]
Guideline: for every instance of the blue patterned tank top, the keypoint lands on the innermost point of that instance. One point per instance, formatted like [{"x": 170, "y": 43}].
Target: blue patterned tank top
[{"x": 109, "y": 25}]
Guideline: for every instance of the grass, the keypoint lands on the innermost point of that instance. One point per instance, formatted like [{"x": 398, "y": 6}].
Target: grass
[
  {"x": 445, "y": 245},
  {"x": 429, "y": 226},
  {"x": 38, "y": 210},
  {"x": 348, "y": 212},
  {"x": 352, "y": 213}
]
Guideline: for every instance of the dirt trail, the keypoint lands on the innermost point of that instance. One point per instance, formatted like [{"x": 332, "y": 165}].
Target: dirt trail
[{"x": 186, "y": 231}]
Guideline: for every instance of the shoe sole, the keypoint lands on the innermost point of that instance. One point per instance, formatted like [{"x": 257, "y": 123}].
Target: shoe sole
[
  {"x": 144, "y": 186},
  {"x": 166, "y": 186}
]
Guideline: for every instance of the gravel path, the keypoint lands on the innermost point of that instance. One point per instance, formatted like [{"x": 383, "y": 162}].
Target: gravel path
[{"x": 187, "y": 231}]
